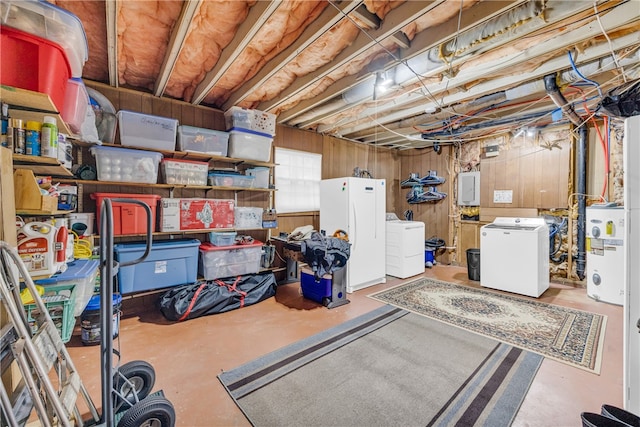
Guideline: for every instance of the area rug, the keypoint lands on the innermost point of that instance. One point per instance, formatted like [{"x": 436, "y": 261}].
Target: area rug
[
  {"x": 571, "y": 336},
  {"x": 387, "y": 367}
]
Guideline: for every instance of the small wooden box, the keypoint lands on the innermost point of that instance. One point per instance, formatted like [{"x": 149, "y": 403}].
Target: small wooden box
[{"x": 28, "y": 197}]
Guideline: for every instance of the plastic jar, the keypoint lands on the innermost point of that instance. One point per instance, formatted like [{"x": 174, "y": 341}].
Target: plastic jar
[
  {"x": 49, "y": 137},
  {"x": 32, "y": 138},
  {"x": 90, "y": 320}
]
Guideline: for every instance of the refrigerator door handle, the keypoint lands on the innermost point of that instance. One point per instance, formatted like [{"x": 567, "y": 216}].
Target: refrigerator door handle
[{"x": 353, "y": 232}]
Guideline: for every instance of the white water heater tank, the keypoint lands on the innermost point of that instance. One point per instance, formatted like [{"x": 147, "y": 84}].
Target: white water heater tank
[{"x": 605, "y": 253}]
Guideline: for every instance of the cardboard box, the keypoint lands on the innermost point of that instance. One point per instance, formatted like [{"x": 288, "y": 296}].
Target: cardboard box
[{"x": 196, "y": 214}]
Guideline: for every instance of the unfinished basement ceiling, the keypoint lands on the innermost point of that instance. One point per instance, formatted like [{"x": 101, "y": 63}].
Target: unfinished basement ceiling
[{"x": 458, "y": 69}]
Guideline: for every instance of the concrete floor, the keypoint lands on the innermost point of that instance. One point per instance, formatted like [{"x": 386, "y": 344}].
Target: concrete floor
[{"x": 187, "y": 356}]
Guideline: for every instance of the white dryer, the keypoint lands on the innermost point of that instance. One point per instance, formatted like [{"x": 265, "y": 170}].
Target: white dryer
[
  {"x": 514, "y": 255},
  {"x": 605, "y": 253},
  {"x": 404, "y": 248}
]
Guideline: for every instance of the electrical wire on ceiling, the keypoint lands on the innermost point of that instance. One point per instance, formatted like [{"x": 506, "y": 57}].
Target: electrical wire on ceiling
[
  {"x": 429, "y": 95},
  {"x": 606, "y": 36}
]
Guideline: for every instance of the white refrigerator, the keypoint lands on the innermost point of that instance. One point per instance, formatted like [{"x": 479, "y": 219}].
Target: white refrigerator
[
  {"x": 631, "y": 316},
  {"x": 357, "y": 206}
]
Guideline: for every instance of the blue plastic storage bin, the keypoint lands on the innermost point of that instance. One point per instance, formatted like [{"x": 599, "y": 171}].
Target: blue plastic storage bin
[
  {"x": 82, "y": 273},
  {"x": 170, "y": 263},
  {"x": 313, "y": 290}
]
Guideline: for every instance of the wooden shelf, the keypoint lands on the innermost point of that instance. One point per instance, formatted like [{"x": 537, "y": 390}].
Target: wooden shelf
[
  {"x": 40, "y": 165},
  {"x": 29, "y": 105},
  {"x": 183, "y": 232},
  {"x": 183, "y": 155},
  {"x": 36, "y": 212},
  {"x": 169, "y": 186}
]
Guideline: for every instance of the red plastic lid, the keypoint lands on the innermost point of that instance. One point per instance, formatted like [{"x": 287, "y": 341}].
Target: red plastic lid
[{"x": 209, "y": 247}]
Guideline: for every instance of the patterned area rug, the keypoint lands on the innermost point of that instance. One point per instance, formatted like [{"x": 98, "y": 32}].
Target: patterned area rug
[{"x": 571, "y": 336}]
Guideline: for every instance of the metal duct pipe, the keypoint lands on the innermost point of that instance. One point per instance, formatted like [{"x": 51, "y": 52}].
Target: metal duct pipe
[
  {"x": 582, "y": 201},
  {"x": 581, "y": 172}
]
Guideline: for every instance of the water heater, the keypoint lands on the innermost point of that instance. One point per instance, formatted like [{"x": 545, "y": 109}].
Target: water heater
[{"x": 605, "y": 253}]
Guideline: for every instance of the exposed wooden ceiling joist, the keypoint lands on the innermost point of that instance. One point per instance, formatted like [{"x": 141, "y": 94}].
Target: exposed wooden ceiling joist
[
  {"x": 258, "y": 14},
  {"x": 397, "y": 19},
  {"x": 315, "y": 30},
  {"x": 178, "y": 36},
  {"x": 422, "y": 42}
]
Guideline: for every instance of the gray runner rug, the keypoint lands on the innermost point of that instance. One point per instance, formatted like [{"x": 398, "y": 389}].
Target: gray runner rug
[{"x": 388, "y": 367}]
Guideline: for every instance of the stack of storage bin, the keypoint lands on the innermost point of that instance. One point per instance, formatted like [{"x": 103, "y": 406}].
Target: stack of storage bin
[
  {"x": 251, "y": 133},
  {"x": 44, "y": 49}
]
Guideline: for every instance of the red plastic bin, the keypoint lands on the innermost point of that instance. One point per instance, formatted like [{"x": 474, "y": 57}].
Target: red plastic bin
[
  {"x": 33, "y": 63},
  {"x": 127, "y": 217}
]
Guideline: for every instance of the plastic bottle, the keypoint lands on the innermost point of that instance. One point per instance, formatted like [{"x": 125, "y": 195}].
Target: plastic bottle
[
  {"x": 18, "y": 136},
  {"x": 5, "y": 124},
  {"x": 32, "y": 138},
  {"x": 49, "y": 137},
  {"x": 10, "y": 134}
]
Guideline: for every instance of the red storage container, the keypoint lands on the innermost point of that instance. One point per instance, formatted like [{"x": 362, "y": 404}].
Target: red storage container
[
  {"x": 127, "y": 217},
  {"x": 33, "y": 63}
]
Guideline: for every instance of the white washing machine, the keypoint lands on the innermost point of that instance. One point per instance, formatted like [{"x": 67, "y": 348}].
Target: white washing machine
[
  {"x": 514, "y": 255},
  {"x": 605, "y": 253},
  {"x": 404, "y": 248}
]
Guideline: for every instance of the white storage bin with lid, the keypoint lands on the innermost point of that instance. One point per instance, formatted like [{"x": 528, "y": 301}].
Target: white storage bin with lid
[
  {"x": 147, "y": 131},
  {"x": 187, "y": 172},
  {"x": 262, "y": 176},
  {"x": 125, "y": 165},
  {"x": 246, "y": 144},
  {"x": 203, "y": 140},
  {"x": 50, "y": 22},
  {"x": 216, "y": 262},
  {"x": 247, "y": 217},
  {"x": 255, "y": 120}
]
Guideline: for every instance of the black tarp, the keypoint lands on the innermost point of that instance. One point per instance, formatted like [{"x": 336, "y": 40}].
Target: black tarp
[{"x": 216, "y": 296}]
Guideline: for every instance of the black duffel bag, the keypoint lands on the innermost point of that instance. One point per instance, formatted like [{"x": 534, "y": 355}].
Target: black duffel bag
[{"x": 216, "y": 296}]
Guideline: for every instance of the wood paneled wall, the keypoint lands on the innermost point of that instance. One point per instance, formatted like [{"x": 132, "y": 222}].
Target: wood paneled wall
[
  {"x": 185, "y": 113},
  {"x": 537, "y": 173},
  {"x": 435, "y": 215}
]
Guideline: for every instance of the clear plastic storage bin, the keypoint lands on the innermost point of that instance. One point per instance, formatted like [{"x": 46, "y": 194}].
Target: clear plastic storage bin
[
  {"x": 231, "y": 180},
  {"x": 202, "y": 140},
  {"x": 255, "y": 120},
  {"x": 222, "y": 238},
  {"x": 261, "y": 175},
  {"x": 216, "y": 262},
  {"x": 76, "y": 102},
  {"x": 187, "y": 172},
  {"x": 246, "y": 144},
  {"x": 147, "y": 131},
  {"x": 247, "y": 217},
  {"x": 124, "y": 165}
]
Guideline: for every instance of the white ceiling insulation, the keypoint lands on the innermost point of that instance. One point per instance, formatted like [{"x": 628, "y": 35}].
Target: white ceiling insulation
[{"x": 460, "y": 69}]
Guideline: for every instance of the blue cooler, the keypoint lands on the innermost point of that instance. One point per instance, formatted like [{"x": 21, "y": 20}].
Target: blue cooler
[
  {"x": 316, "y": 291},
  {"x": 170, "y": 263},
  {"x": 83, "y": 274}
]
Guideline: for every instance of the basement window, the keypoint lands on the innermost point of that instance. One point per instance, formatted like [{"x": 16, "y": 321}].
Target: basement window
[{"x": 297, "y": 178}]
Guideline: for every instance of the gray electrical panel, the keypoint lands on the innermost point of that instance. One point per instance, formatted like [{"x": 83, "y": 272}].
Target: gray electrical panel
[{"x": 469, "y": 189}]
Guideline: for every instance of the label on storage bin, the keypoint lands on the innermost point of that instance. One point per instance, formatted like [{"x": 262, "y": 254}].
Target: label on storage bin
[
  {"x": 160, "y": 267},
  {"x": 196, "y": 214}
]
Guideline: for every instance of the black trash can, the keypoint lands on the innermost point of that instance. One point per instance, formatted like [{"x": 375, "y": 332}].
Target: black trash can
[{"x": 473, "y": 264}]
